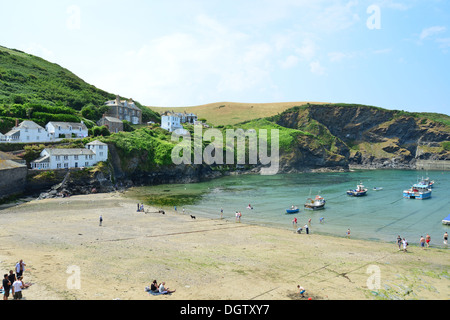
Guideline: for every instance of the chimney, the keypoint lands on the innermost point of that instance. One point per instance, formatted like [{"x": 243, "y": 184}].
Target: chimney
[{"x": 17, "y": 122}]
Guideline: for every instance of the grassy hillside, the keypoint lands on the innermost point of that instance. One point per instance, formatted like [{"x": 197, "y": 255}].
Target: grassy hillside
[
  {"x": 33, "y": 88},
  {"x": 223, "y": 113}
]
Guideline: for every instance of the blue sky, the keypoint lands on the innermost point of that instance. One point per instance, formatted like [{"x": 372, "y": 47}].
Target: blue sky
[{"x": 391, "y": 54}]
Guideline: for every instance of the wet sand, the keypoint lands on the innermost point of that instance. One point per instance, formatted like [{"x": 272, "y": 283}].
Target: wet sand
[{"x": 69, "y": 256}]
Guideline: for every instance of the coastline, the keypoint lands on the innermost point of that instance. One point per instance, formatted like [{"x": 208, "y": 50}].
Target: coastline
[{"x": 203, "y": 259}]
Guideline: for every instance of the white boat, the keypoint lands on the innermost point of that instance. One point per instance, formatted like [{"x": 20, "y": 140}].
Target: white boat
[
  {"x": 315, "y": 204},
  {"x": 417, "y": 191},
  {"x": 359, "y": 191},
  {"x": 446, "y": 220}
]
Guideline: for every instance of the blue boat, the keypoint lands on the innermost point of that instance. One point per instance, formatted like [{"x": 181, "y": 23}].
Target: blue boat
[
  {"x": 359, "y": 191},
  {"x": 446, "y": 220},
  {"x": 293, "y": 210},
  {"x": 418, "y": 191}
]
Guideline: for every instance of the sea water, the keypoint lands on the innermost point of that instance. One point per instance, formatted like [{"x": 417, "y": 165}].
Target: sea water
[{"x": 379, "y": 216}]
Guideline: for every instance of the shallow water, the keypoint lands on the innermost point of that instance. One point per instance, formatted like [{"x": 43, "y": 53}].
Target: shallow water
[{"x": 379, "y": 216}]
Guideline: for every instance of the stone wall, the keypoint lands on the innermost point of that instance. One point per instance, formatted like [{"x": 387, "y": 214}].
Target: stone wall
[
  {"x": 12, "y": 181},
  {"x": 433, "y": 165}
]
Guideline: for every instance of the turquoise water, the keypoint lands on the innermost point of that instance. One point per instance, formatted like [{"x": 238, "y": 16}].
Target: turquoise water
[{"x": 379, "y": 216}]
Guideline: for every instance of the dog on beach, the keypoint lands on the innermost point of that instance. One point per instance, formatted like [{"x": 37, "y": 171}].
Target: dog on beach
[{"x": 193, "y": 217}]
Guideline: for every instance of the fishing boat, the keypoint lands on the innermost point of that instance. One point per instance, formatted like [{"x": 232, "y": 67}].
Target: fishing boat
[
  {"x": 292, "y": 210},
  {"x": 377, "y": 188},
  {"x": 315, "y": 204},
  {"x": 418, "y": 191},
  {"x": 426, "y": 182},
  {"x": 359, "y": 191}
]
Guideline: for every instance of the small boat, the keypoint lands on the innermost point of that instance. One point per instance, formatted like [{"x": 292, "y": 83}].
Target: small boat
[
  {"x": 315, "y": 204},
  {"x": 377, "y": 188},
  {"x": 293, "y": 210},
  {"x": 417, "y": 191},
  {"x": 359, "y": 191},
  {"x": 446, "y": 220}
]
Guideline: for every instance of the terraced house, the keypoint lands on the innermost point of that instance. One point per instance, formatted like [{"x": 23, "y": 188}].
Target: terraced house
[{"x": 54, "y": 158}]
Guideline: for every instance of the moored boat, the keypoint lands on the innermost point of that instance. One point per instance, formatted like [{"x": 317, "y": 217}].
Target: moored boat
[
  {"x": 359, "y": 191},
  {"x": 293, "y": 210},
  {"x": 315, "y": 204},
  {"x": 446, "y": 220},
  {"x": 417, "y": 191}
]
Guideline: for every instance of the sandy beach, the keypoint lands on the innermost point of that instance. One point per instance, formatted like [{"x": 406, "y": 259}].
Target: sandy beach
[{"x": 69, "y": 256}]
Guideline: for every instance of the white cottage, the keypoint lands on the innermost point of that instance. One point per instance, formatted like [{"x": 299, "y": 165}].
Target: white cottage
[
  {"x": 27, "y": 132},
  {"x": 66, "y": 129},
  {"x": 51, "y": 158},
  {"x": 171, "y": 122}
]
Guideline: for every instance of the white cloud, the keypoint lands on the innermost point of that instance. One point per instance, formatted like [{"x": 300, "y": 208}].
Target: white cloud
[
  {"x": 431, "y": 31},
  {"x": 317, "y": 68},
  {"x": 290, "y": 62}
]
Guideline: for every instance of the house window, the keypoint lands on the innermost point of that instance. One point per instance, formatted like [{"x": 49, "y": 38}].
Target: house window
[
  {"x": 100, "y": 147},
  {"x": 58, "y": 158},
  {"x": 58, "y": 165},
  {"x": 76, "y": 157},
  {"x": 66, "y": 165},
  {"x": 66, "y": 157},
  {"x": 86, "y": 164},
  {"x": 101, "y": 154}
]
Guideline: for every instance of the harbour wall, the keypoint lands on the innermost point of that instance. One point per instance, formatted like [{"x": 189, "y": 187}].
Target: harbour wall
[{"x": 433, "y": 165}]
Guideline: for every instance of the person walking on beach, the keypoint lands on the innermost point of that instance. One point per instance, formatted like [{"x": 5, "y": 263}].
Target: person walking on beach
[
  {"x": 405, "y": 244},
  {"x": 399, "y": 242},
  {"x": 101, "y": 221},
  {"x": 428, "y": 239},
  {"x": 445, "y": 238},
  {"x": 221, "y": 213},
  {"x": 294, "y": 223},
  {"x": 306, "y": 228},
  {"x": 348, "y": 233}
]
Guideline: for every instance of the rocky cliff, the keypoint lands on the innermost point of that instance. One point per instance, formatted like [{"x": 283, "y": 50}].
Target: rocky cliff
[{"x": 365, "y": 136}]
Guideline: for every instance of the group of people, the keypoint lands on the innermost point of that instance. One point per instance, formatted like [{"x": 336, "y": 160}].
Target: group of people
[
  {"x": 300, "y": 229},
  {"x": 13, "y": 283},
  {"x": 140, "y": 207},
  {"x": 424, "y": 241},
  {"x": 160, "y": 288}
]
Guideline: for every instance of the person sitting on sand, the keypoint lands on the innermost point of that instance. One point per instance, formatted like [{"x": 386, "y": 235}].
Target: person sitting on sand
[
  {"x": 154, "y": 286},
  {"x": 164, "y": 290}
]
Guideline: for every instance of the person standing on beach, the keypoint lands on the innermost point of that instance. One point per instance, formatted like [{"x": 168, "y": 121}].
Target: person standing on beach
[
  {"x": 428, "y": 239},
  {"x": 221, "y": 213},
  {"x": 12, "y": 278},
  {"x": 18, "y": 286},
  {"x": 306, "y": 228},
  {"x": 348, "y": 233},
  {"x": 405, "y": 244},
  {"x": 422, "y": 242},
  {"x": 101, "y": 220},
  {"x": 20, "y": 266},
  {"x": 6, "y": 284},
  {"x": 399, "y": 242},
  {"x": 294, "y": 222},
  {"x": 445, "y": 238}
]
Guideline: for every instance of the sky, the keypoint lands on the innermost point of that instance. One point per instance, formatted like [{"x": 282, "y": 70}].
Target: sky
[{"x": 390, "y": 54}]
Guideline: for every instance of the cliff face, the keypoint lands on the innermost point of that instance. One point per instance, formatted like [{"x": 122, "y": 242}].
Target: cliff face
[{"x": 365, "y": 136}]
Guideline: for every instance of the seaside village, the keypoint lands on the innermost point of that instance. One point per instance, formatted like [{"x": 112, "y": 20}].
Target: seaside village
[{"x": 13, "y": 169}]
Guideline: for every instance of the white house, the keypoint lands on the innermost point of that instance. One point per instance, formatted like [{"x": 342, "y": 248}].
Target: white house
[
  {"x": 170, "y": 122},
  {"x": 66, "y": 129},
  {"x": 51, "y": 158},
  {"x": 27, "y": 132}
]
